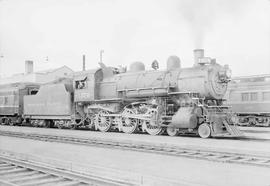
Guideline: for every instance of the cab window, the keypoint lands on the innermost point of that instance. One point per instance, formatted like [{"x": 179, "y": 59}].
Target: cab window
[
  {"x": 245, "y": 96},
  {"x": 81, "y": 84}
]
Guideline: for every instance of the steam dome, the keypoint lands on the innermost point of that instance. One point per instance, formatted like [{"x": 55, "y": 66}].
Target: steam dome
[
  {"x": 173, "y": 62},
  {"x": 137, "y": 66}
]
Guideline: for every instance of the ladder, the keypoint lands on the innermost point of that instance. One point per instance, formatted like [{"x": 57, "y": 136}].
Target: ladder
[{"x": 232, "y": 129}]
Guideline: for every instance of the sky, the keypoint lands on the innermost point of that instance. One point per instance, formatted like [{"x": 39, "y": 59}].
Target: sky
[{"x": 56, "y": 33}]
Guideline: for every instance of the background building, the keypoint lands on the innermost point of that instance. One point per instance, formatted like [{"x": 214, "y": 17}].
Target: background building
[{"x": 37, "y": 77}]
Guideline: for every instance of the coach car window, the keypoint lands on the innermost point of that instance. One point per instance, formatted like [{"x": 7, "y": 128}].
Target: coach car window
[
  {"x": 245, "y": 96},
  {"x": 266, "y": 96},
  {"x": 2, "y": 100},
  {"x": 253, "y": 96},
  {"x": 5, "y": 100}
]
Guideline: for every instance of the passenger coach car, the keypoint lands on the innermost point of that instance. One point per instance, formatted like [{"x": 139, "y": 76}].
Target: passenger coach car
[
  {"x": 11, "y": 101},
  {"x": 249, "y": 98}
]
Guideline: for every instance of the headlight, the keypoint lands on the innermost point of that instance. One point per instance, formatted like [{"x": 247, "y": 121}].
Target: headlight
[{"x": 234, "y": 119}]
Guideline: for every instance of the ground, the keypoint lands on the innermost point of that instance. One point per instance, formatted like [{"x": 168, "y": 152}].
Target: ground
[{"x": 141, "y": 166}]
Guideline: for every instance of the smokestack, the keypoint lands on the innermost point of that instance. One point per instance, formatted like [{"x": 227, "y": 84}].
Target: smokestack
[
  {"x": 198, "y": 53},
  {"x": 29, "y": 67},
  {"x": 83, "y": 58}
]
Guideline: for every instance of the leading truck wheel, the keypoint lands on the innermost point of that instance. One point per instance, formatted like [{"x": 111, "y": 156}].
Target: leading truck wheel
[
  {"x": 172, "y": 131},
  {"x": 204, "y": 131}
]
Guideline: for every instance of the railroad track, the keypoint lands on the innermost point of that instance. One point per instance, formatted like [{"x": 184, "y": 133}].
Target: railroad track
[
  {"x": 211, "y": 155},
  {"x": 14, "y": 172}
]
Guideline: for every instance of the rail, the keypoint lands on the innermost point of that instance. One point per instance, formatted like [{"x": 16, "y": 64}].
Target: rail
[
  {"x": 129, "y": 178},
  {"x": 15, "y": 172},
  {"x": 171, "y": 150}
]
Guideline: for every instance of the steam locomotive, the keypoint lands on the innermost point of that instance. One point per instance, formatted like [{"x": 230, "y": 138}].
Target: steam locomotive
[{"x": 176, "y": 100}]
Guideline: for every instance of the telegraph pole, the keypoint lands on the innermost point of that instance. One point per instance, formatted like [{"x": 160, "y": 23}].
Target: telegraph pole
[
  {"x": 83, "y": 67},
  {"x": 1, "y": 56},
  {"x": 101, "y": 55}
]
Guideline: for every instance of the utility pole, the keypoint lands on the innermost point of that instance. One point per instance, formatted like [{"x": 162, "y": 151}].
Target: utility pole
[
  {"x": 1, "y": 56},
  {"x": 83, "y": 67},
  {"x": 101, "y": 55}
]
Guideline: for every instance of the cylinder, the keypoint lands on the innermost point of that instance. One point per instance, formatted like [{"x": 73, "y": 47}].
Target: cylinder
[
  {"x": 184, "y": 118},
  {"x": 29, "y": 67},
  {"x": 198, "y": 53}
]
